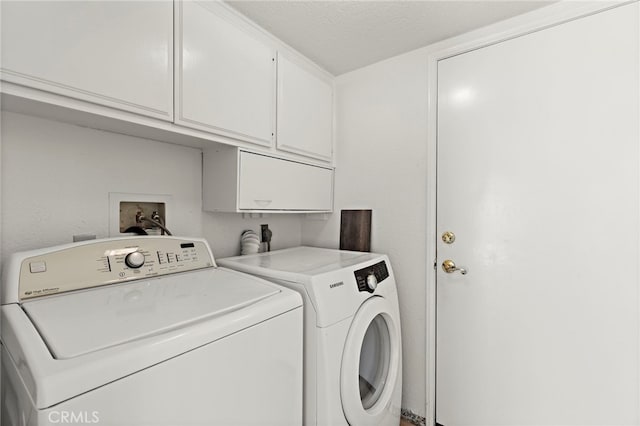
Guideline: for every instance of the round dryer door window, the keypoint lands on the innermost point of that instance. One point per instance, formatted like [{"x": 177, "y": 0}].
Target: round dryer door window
[
  {"x": 371, "y": 363},
  {"x": 374, "y": 361}
]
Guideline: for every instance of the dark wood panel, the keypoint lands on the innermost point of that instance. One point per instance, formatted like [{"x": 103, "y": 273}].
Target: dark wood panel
[{"x": 355, "y": 230}]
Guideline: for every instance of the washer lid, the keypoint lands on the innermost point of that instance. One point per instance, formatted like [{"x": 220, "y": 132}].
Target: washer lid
[
  {"x": 78, "y": 323},
  {"x": 298, "y": 264}
]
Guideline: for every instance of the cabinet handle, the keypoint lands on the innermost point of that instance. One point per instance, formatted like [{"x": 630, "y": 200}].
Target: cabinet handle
[{"x": 262, "y": 203}]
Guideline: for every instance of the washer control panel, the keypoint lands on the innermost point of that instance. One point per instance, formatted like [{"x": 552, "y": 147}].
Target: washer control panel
[
  {"x": 102, "y": 262},
  {"x": 370, "y": 277}
]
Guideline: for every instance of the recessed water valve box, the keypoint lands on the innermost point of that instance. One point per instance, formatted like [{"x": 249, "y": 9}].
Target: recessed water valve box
[
  {"x": 132, "y": 213},
  {"x": 130, "y": 210}
]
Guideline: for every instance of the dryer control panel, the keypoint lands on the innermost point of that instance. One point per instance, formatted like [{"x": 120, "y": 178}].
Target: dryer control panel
[
  {"x": 368, "y": 278},
  {"x": 101, "y": 262}
]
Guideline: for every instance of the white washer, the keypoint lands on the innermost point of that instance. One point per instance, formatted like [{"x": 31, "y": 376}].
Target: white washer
[
  {"x": 353, "y": 359},
  {"x": 146, "y": 331}
]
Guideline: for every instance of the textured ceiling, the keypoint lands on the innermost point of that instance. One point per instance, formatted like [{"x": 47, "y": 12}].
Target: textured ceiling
[{"x": 345, "y": 35}]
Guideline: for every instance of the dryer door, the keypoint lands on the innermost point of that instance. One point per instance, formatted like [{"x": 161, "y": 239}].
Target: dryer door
[{"x": 371, "y": 363}]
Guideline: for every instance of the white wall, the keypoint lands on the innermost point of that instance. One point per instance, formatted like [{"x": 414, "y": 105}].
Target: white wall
[
  {"x": 223, "y": 231},
  {"x": 381, "y": 139},
  {"x": 56, "y": 180}
]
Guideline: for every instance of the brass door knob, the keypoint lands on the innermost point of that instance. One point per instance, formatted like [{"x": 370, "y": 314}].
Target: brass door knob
[{"x": 450, "y": 267}]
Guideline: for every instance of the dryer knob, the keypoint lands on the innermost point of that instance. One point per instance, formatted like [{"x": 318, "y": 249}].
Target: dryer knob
[
  {"x": 372, "y": 281},
  {"x": 134, "y": 260}
]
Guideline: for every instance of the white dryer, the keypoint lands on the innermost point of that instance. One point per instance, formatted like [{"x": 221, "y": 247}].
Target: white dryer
[
  {"x": 146, "y": 331},
  {"x": 353, "y": 359}
]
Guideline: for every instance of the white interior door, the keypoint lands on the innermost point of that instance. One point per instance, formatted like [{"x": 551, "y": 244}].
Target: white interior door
[{"x": 538, "y": 179}]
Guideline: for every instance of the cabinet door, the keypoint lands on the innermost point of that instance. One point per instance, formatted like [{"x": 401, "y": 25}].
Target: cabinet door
[
  {"x": 268, "y": 183},
  {"x": 112, "y": 53},
  {"x": 305, "y": 112},
  {"x": 225, "y": 77}
]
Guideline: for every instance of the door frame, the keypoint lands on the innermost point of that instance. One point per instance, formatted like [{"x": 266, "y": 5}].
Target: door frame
[{"x": 537, "y": 20}]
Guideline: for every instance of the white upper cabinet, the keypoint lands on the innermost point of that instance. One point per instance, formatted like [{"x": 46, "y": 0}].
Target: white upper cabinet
[
  {"x": 200, "y": 66},
  {"x": 305, "y": 111},
  {"x": 112, "y": 53},
  {"x": 225, "y": 77},
  {"x": 235, "y": 180},
  {"x": 267, "y": 183}
]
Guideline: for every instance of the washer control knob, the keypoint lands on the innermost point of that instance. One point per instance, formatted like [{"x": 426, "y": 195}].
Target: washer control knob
[
  {"x": 134, "y": 260},
  {"x": 372, "y": 281}
]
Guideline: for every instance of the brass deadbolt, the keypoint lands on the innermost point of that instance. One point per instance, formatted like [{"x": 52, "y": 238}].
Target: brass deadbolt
[{"x": 448, "y": 237}]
